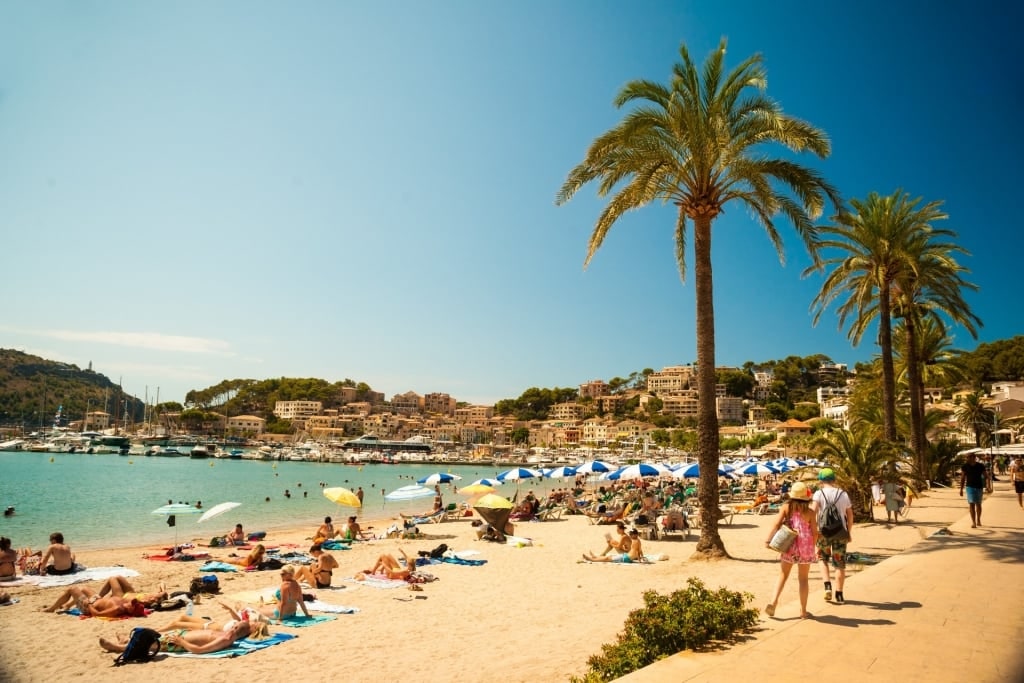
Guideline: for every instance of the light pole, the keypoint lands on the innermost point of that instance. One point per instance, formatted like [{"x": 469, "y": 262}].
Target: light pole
[{"x": 85, "y": 418}]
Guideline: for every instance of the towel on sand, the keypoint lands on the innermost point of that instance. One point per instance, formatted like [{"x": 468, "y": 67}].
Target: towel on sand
[
  {"x": 462, "y": 560},
  {"x": 214, "y": 566},
  {"x": 241, "y": 647},
  {"x": 300, "y": 620},
  {"x": 320, "y": 606},
  {"x": 93, "y": 574},
  {"x": 376, "y": 581}
]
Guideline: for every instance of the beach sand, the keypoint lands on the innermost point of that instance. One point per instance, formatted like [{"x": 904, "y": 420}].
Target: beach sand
[{"x": 529, "y": 614}]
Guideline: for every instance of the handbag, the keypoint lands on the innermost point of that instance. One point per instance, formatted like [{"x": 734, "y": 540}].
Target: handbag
[{"x": 782, "y": 539}]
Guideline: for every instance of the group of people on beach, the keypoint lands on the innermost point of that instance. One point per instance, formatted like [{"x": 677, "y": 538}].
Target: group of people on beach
[{"x": 56, "y": 560}]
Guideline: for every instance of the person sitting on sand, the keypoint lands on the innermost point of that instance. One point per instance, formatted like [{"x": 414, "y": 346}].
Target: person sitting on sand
[
  {"x": 199, "y": 642},
  {"x": 390, "y": 567},
  {"x": 253, "y": 559},
  {"x": 491, "y": 533},
  {"x": 8, "y": 560},
  {"x": 258, "y": 625},
  {"x": 289, "y": 597},
  {"x": 635, "y": 553},
  {"x": 325, "y": 531},
  {"x": 353, "y": 532},
  {"x": 320, "y": 571},
  {"x": 236, "y": 536},
  {"x": 620, "y": 542},
  {"x": 63, "y": 560}
]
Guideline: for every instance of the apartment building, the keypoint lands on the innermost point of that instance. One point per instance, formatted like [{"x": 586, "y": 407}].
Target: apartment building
[
  {"x": 406, "y": 404},
  {"x": 671, "y": 379},
  {"x": 290, "y": 410},
  {"x": 249, "y": 425},
  {"x": 565, "y": 412},
  {"x": 441, "y": 404},
  {"x": 593, "y": 388},
  {"x": 474, "y": 414}
]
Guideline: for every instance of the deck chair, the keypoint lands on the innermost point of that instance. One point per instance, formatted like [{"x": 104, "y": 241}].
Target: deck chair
[
  {"x": 453, "y": 512},
  {"x": 432, "y": 518},
  {"x": 551, "y": 512}
]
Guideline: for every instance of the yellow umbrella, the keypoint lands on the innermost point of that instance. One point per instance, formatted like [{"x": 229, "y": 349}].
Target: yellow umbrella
[
  {"x": 493, "y": 501},
  {"x": 342, "y": 496},
  {"x": 476, "y": 489}
]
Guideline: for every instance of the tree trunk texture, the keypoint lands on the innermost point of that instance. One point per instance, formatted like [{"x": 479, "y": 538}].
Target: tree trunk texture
[
  {"x": 710, "y": 545},
  {"x": 888, "y": 372}
]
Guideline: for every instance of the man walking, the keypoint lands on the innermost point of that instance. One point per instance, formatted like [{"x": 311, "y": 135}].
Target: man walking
[
  {"x": 832, "y": 548},
  {"x": 972, "y": 476}
]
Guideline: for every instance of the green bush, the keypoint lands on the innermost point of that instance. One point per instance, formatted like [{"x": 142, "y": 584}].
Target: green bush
[{"x": 668, "y": 624}]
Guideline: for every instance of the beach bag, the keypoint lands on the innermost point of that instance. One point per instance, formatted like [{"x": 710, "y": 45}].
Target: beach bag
[
  {"x": 830, "y": 522},
  {"x": 204, "y": 584},
  {"x": 270, "y": 563},
  {"x": 142, "y": 646},
  {"x": 783, "y": 539},
  {"x": 438, "y": 552}
]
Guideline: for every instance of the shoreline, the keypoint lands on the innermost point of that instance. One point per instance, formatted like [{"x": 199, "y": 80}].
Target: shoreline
[{"x": 552, "y": 611}]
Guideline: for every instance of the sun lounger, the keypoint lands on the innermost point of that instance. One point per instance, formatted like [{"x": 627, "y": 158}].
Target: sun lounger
[{"x": 432, "y": 518}]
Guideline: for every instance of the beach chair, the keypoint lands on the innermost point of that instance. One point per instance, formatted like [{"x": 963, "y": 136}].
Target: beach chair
[
  {"x": 432, "y": 518},
  {"x": 552, "y": 512},
  {"x": 453, "y": 512}
]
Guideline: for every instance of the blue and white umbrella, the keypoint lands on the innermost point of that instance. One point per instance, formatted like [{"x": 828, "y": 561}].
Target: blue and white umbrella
[
  {"x": 693, "y": 470},
  {"x": 487, "y": 482},
  {"x": 518, "y": 473},
  {"x": 171, "y": 511},
  {"x": 560, "y": 472},
  {"x": 594, "y": 467},
  {"x": 410, "y": 492},
  {"x": 438, "y": 478},
  {"x": 635, "y": 472},
  {"x": 756, "y": 469}
]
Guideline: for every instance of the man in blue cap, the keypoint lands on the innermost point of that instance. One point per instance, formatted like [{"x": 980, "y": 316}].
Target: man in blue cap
[{"x": 832, "y": 549}]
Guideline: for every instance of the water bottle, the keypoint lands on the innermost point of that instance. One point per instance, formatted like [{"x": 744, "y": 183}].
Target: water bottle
[{"x": 188, "y": 608}]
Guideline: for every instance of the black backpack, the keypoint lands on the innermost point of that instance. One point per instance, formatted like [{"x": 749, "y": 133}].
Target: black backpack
[
  {"x": 830, "y": 522},
  {"x": 204, "y": 584},
  {"x": 142, "y": 646}
]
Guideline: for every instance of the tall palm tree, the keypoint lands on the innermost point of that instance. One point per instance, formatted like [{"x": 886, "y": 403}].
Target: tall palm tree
[
  {"x": 698, "y": 142},
  {"x": 973, "y": 415},
  {"x": 875, "y": 243},
  {"x": 857, "y": 456}
]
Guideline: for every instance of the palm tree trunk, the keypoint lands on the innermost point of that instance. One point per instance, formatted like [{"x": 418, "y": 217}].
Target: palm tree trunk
[
  {"x": 917, "y": 440},
  {"x": 888, "y": 373},
  {"x": 710, "y": 544}
]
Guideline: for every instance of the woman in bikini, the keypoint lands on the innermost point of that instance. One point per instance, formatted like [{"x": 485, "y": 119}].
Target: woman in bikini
[
  {"x": 289, "y": 597},
  {"x": 257, "y": 622},
  {"x": 319, "y": 573},
  {"x": 253, "y": 559},
  {"x": 8, "y": 558},
  {"x": 390, "y": 567}
]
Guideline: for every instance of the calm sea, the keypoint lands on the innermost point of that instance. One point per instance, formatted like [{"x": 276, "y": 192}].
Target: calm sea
[{"x": 105, "y": 501}]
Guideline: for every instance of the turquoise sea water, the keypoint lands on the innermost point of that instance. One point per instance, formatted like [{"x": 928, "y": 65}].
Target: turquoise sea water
[{"x": 104, "y": 501}]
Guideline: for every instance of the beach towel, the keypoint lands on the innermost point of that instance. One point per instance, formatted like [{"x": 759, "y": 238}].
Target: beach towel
[
  {"x": 336, "y": 545},
  {"x": 329, "y": 608},
  {"x": 214, "y": 566},
  {"x": 518, "y": 541},
  {"x": 11, "y": 601},
  {"x": 461, "y": 560},
  {"x": 75, "y": 612},
  {"x": 300, "y": 620},
  {"x": 241, "y": 647},
  {"x": 93, "y": 574},
  {"x": 378, "y": 581}
]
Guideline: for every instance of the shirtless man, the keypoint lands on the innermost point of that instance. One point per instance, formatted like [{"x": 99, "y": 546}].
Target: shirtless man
[
  {"x": 1017, "y": 477},
  {"x": 635, "y": 554},
  {"x": 319, "y": 572},
  {"x": 390, "y": 567},
  {"x": 60, "y": 553},
  {"x": 196, "y": 642},
  {"x": 619, "y": 543}
]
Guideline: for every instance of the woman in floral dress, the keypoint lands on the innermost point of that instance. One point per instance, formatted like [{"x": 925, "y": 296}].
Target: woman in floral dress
[{"x": 796, "y": 513}]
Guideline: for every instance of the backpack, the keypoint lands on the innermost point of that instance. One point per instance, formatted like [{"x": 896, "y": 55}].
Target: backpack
[
  {"x": 830, "y": 522},
  {"x": 204, "y": 584},
  {"x": 142, "y": 646}
]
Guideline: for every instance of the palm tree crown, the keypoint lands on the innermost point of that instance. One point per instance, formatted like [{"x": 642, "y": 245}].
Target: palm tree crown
[{"x": 699, "y": 143}]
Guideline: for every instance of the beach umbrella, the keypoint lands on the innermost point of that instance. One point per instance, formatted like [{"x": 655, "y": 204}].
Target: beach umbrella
[
  {"x": 218, "y": 509},
  {"x": 518, "y": 473},
  {"x": 487, "y": 482},
  {"x": 638, "y": 471},
  {"x": 693, "y": 470},
  {"x": 171, "y": 512},
  {"x": 492, "y": 501},
  {"x": 438, "y": 478},
  {"x": 562, "y": 472},
  {"x": 410, "y": 492},
  {"x": 342, "y": 496},
  {"x": 594, "y": 467},
  {"x": 476, "y": 490},
  {"x": 756, "y": 469}
]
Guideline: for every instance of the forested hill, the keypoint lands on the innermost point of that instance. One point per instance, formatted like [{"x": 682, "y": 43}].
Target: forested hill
[{"x": 33, "y": 389}]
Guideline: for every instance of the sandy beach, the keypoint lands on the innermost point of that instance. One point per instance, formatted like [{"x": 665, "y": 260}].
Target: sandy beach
[{"x": 529, "y": 614}]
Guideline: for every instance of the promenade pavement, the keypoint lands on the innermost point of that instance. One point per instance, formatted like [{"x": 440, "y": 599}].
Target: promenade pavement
[{"x": 949, "y": 608}]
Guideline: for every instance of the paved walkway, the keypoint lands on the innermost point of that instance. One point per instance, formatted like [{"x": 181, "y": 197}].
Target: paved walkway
[{"x": 950, "y": 608}]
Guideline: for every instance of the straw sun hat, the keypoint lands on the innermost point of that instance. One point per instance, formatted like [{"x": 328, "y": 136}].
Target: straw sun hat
[{"x": 800, "y": 492}]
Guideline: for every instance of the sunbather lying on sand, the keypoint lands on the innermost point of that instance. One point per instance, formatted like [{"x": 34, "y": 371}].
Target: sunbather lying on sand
[
  {"x": 257, "y": 622},
  {"x": 389, "y": 566},
  {"x": 197, "y": 642}
]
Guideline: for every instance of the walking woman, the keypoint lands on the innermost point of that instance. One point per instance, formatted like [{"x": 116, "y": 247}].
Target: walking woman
[{"x": 797, "y": 514}]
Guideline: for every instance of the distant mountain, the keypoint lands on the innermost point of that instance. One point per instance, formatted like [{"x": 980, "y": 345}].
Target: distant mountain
[{"x": 33, "y": 390}]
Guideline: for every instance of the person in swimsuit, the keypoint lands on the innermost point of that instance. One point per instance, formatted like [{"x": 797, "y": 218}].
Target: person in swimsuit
[
  {"x": 236, "y": 536},
  {"x": 319, "y": 573},
  {"x": 253, "y": 559},
  {"x": 197, "y": 642},
  {"x": 63, "y": 560},
  {"x": 119, "y": 587},
  {"x": 257, "y": 622},
  {"x": 289, "y": 597},
  {"x": 325, "y": 531},
  {"x": 90, "y": 603},
  {"x": 390, "y": 567},
  {"x": 8, "y": 560},
  {"x": 634, "y": 554}
]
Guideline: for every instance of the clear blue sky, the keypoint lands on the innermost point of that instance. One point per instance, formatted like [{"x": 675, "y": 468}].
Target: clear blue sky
[{"x": 198, "y": 191}]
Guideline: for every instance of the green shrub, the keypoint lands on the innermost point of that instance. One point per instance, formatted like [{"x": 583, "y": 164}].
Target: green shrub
[{"x": 668, "y": 624}]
